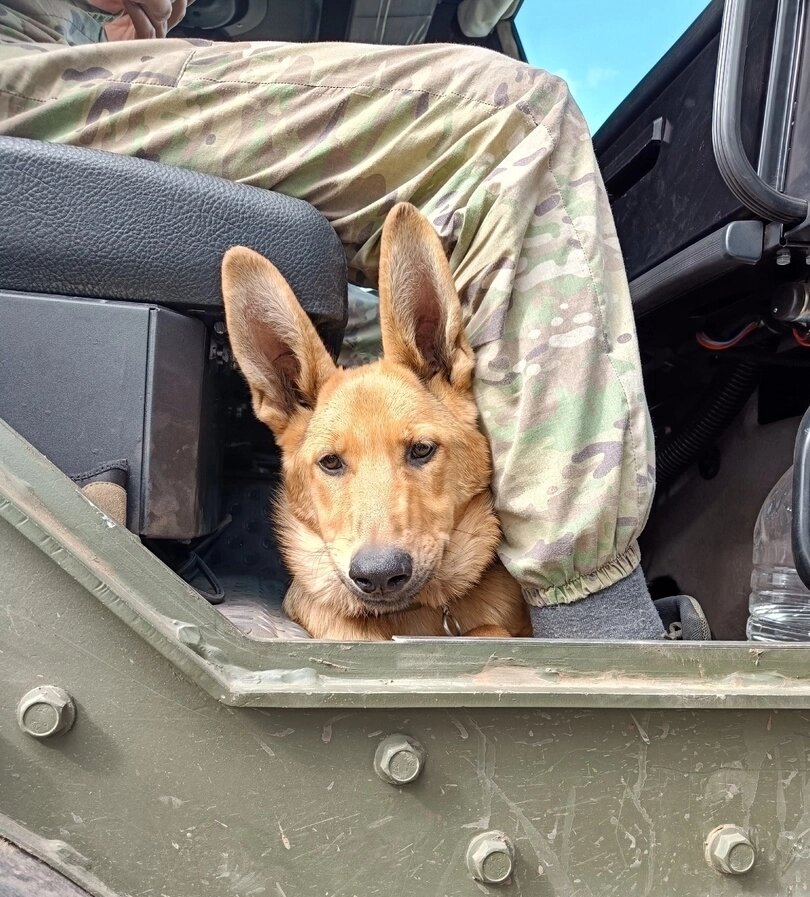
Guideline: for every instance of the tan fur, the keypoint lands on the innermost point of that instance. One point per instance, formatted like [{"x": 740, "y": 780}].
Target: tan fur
[{"x": 441, "y": 512}]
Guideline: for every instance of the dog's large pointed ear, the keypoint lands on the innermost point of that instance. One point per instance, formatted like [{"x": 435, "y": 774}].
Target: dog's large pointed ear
[
  {"x": 420, "y": 313},
  {"x": 279, "y": 351}
]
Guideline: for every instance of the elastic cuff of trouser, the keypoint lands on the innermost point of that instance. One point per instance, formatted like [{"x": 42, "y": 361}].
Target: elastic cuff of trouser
[{"x": 576, "y": 589}]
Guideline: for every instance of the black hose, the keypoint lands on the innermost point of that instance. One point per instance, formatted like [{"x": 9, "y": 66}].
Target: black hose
[{"x": 723, "y": 404}]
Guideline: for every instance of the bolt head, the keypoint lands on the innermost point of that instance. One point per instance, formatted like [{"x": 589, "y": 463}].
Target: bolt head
[
  {"x": 729, "y": 850},
  {"x": 491, "y": 858},
  {"x": 46, "y": 711},
  {"x": 399, "y": 759}
]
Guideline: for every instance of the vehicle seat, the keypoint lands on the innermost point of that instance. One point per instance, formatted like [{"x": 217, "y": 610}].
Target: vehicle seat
[{"x": 111, "y": 342}]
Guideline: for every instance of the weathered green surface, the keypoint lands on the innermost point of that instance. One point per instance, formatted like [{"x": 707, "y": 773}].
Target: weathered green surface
[
  {"x": 163, "y": 787},
  {"x": 43, "y": 507}
]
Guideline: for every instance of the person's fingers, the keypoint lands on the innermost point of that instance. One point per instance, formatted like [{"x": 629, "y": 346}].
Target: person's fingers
[
  {"x": 178, "y": 11},
  {"x": 144, "y": 29},
  {"x": 158, "y": 12}
]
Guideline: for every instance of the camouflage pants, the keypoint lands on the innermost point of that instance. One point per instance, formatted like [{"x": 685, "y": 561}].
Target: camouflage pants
[{"x": 497, "y": 155}]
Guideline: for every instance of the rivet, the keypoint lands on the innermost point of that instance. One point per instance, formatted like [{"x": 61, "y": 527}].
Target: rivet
[
  {"x": 399, "y": 759},
  {"x": 45, "y": 711},
  {"x": 491, "y": 858}
]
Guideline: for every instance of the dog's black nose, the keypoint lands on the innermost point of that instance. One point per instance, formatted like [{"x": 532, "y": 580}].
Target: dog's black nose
[{"x": 381, "y": 569}]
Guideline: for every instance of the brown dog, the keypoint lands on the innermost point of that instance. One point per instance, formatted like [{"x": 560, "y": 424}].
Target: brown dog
[{"x": 385, "y": 516}]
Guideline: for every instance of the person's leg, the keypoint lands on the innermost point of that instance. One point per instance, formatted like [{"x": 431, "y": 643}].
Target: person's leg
[{"x": 497, "y": 156}]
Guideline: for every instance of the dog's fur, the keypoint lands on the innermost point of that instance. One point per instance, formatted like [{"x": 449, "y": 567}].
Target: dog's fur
[{"x": 440, "y": 511}]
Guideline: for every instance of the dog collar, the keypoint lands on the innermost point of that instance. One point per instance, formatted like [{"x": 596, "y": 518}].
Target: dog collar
[{"x": 450, "y": 624}]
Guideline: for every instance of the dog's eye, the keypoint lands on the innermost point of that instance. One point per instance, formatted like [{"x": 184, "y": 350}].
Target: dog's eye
[
  {"x": 331, "y": 463},
  {"x": 420, "y": 452}
]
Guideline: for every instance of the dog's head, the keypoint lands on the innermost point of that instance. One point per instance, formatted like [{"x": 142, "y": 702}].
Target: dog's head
[{"x": 381, "y": 464}]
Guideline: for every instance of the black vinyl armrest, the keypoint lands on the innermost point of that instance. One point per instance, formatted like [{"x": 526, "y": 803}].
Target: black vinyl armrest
[{"x": 87, "y": 223}]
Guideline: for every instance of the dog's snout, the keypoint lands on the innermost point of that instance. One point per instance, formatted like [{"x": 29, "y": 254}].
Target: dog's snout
[{"x": 381, "y": 569}]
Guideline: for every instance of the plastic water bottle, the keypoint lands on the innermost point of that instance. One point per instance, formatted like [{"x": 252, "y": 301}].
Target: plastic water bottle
[{"x": 780, "y": 602}]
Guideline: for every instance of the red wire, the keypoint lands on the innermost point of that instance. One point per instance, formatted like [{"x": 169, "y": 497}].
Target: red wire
[
  {"x": 801, "y": 339},
  {"x": 714, "y": 345}
]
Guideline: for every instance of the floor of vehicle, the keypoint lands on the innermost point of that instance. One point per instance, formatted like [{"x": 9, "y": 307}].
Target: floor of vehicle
[
  {"x": 253, "y": 605},
  {"x": 246, "y": 565},
  {"x": 700, "y": 532}
]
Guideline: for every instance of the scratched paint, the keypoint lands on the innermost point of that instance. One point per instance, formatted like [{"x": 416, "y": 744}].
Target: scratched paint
[
  {"x": 166, "y": 785},
  {"x": 160, "y": 789}
]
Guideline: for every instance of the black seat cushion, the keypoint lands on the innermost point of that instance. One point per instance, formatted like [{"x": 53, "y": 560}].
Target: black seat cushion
[{"x": 87, "y": 223}]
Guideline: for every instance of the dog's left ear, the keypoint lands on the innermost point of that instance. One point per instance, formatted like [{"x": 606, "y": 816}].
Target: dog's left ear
[{"x": 420, "y": 313}]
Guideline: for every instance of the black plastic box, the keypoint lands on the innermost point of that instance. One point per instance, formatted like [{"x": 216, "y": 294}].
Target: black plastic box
[{"x": 88, "y": 381}]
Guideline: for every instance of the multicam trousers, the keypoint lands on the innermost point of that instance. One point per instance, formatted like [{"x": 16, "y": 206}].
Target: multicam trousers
[{"x": 493, "y": 151}]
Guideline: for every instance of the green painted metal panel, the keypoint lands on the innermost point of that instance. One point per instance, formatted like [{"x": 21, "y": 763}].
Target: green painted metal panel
[{"x": 202, "y": 764}]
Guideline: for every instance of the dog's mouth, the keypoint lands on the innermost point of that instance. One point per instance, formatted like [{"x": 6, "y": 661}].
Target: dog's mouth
[{"x": 385, "y": 605}]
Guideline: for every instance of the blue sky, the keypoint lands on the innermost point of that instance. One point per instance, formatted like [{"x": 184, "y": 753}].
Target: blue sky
[{"x": 602, "y": 47}]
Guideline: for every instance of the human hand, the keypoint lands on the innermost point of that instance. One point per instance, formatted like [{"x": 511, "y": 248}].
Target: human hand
[{"x": 142, "y": 19}]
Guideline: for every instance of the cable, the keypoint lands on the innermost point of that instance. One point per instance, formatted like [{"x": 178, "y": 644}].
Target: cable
[
  {"x": 195, "y": 565},
  {"x": 726, "y": 398},
  {"x": 802, "y": 338},
  {"x": 715, "y": 345}
]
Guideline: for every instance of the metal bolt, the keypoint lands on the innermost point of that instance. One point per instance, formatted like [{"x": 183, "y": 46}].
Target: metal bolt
[
  {"x": 399, "y": 759},
  {"x": 729, "y": 850},
  {"x": 45, "y": 711},
  {"x": 783, "y": 256},
  {"x": 491, "y": 858}
]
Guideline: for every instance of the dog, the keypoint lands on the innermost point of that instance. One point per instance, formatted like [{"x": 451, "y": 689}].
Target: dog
[{"x": 385, "y": 516}]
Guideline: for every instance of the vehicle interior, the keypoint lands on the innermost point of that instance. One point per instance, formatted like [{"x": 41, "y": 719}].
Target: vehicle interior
[{"x": 119, "y": 370}]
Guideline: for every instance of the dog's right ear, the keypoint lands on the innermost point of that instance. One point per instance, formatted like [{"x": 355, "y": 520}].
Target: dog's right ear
[{"x": 279, "y": 351}]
